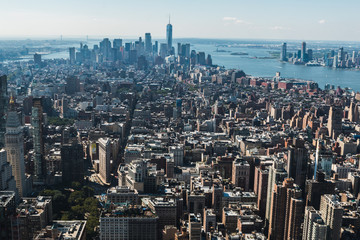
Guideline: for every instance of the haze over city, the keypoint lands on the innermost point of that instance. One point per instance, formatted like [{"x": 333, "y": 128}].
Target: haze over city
[{"x": 262, "y": 19}]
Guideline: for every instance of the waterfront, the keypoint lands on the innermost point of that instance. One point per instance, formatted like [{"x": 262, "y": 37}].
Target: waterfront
[{"x": 259, "y": 61}]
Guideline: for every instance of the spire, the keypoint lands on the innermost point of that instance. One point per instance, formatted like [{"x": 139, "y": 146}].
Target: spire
[
  {"x": 12, "y": 103},
  {"x": 169, "y": 18}
]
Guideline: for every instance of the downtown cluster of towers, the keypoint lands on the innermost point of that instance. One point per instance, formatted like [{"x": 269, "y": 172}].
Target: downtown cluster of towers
[
  {"x": 339, "y": 59},
  {"x": 140, "y": 52}
]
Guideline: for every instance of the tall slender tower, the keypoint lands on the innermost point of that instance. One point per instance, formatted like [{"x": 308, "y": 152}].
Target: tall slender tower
[
  {"x": 36, "y": 122},
  {"x": 169, "y": 36},
  {"x": 283, "y": 54},
  {"x": 3, "y": 107},
  {"x": 14, "y": 144}
]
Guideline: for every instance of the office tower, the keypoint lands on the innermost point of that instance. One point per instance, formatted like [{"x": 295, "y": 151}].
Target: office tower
[
  {"x": 179, "y": 49},
  {"x": 314, "y": 227},
  {"x": 332, "y": 212},
  {"x": 241, "y": 174},
  {"x": 315, "y": 188},
  {"x": 3, "y": 108},
  {"x": 169, "y": 37},
  {"x": 178, "y": 152},
  {"x": 7, "y": 180},
  {"x": 170, "y": 165},
  {"x": 117, "y": 43},
  {"x": 209, "y": 222},
  {"x": 148, "y": 43},
  {"x": 286, "y": 211},
  {"x": 38, "y": 145},
  {"x": 14, "y": 145},
  {"x": 208, "y": 60},
  {"x": 179, "y": 107},
  {"x": 260, "y": 187},
  {"x": 201, "y": 58},
  {"x": 297, "y": 165},
  {"x": 334, "y": 121},
  {"x": 165, "y": 209},
  {"x": 163, "y": 50},
  {"x": 72, "y": 55},
  {"x": 128, "y": 223},
  {"x": 194, "y": 227},
  {"x": 341, "y": 55},
  {"x": 156, "y": 48},
  {"x": 309, "y": 54},
  {"x": 277, "y": 174},
  {"x": 72, "y": 85},
  {"x": 7, "y": 211},
  {"x": 303, "y": 52},
  {"x": 104, "y": 159},
  {"x": 37, "y": 59},
  {"x": 283, "y": 54},
  {"x": 353, "y": 112},
  {"x": 294, "y": 213},
  {"x": 72, "y": 163},
  {"x": 105, "y": 47}
]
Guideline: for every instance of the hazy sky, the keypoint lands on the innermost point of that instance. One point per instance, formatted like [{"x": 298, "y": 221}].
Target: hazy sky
[{"x": 267, "y": 19}]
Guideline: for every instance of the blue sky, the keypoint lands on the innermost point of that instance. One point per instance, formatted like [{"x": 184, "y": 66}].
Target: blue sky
[{"x": 256, "y": 19}]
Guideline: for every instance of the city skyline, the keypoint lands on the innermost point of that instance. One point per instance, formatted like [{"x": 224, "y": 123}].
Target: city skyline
[{"x": 260, "y": 20}]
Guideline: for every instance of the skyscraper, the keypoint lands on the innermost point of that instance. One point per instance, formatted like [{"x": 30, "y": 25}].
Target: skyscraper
[
  {"x": 7, "y": 180},
  {"x": 303, "y": 52},
  {"x": 277, "y": 174},
  {"x": 148, "y": 43},
  {"x": 3, "y": 108},
  {"x": 104, "y": 159},
  {"x": 14, "y": 144},
  {"x": 169, "y": 37},
  {"x": 334, "y": 122},
  {"x": 72, "y": 163},
  {"x": 314, "y": 227},
  {"x": 72, "y": 55},
  {"x": 332, "y": 213},
  {"x": 283, "y": 56},
  {"x": 38, "y": 156}
]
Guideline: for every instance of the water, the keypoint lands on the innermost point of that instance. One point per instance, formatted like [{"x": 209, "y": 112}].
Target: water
[
  {"x": 268, "y": 67},
  {"x": 254, "y": 65}
]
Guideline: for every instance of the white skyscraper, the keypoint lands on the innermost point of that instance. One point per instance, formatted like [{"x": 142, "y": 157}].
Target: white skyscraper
[{"x": 14, "y": 145}]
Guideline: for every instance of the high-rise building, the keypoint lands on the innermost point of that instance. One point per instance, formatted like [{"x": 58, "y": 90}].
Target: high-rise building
[
  {"x": 169, "y": 37},
  {"x": 38, "y": 156},
  {"x": 72, "y": 163},
  {"x": 7, "y": 180},
  {"x": 294, "y": 213},
  {"x": 332, "y": 212},
  {"x": 277, "y": 174},
  {"x": 7, "y": 211},
  {"x": 14, "y": 145},
  {"x": 194, "y": 227},
  {"x": 166, "y": 211},
  {"x": 283, "y": 54},
  {"x": 37, "y": 59},
  {"x": 128, "y": 223},
  {"x": 314, "y": 227},
  {"x": 260, "y": 187},
  {"x": 241, "y": 174},
  {"x": 297, "y": 165},
  {"x": 303, "y": 52},
  {"x": 148, "y": 43},
  {"x": 104, "y": 159},
  {"x": 3, "y": 108},
  {"x": 283, "y": 213},
  {"x": 316, "y": 188},
  {"x": 72, "y": 55},
  {"x": 334, "y": 121},
  {"x": 178, "y": 152},
  {"x": 117, "y": 43}
]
